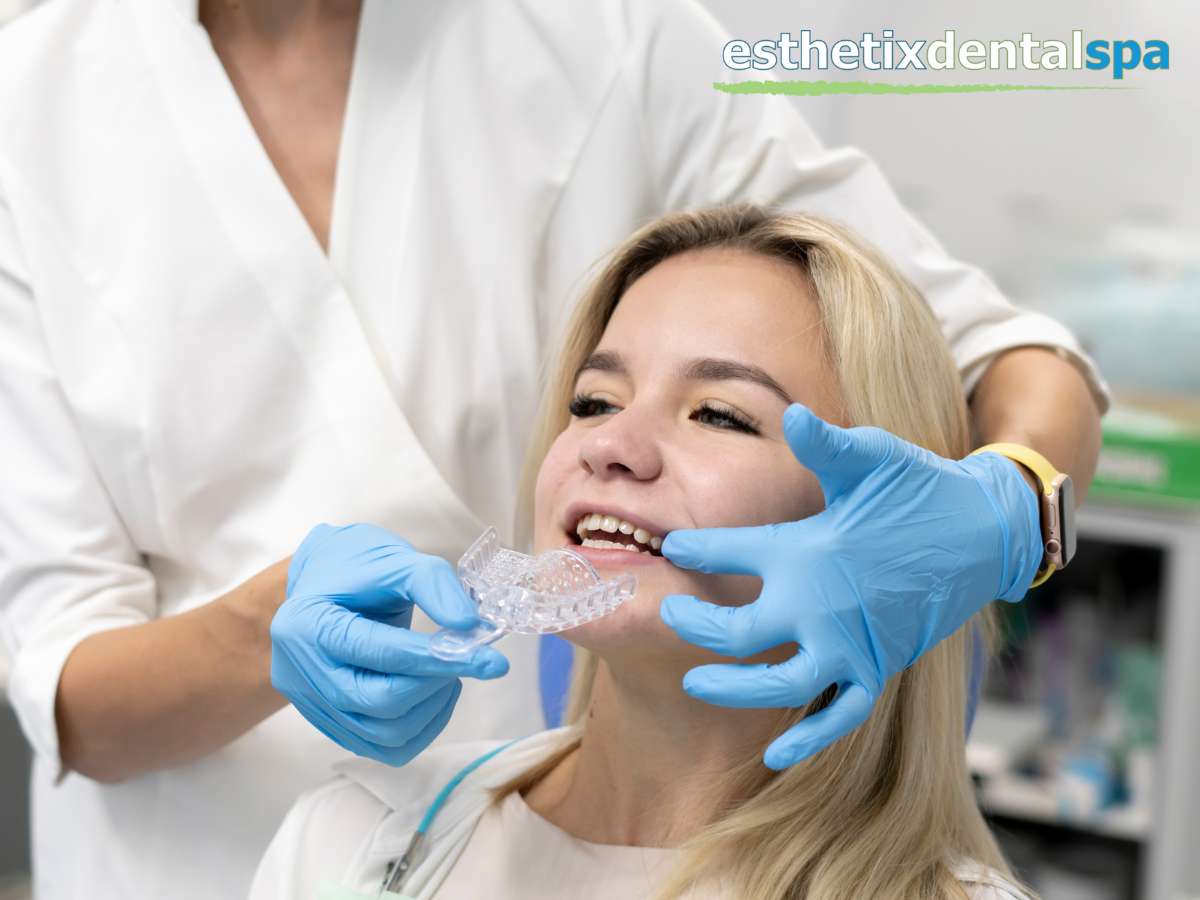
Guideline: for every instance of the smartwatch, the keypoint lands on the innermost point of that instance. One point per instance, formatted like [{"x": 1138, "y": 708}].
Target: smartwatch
[{"x": 1057, "y": 512}]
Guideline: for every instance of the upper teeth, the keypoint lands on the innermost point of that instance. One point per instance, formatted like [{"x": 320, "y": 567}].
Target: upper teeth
[{"x": 611, "y": 524}]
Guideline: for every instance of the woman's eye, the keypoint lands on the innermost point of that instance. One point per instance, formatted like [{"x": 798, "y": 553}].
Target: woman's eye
[
  {"x": 583, "y": 406},
  {"x": 723, "y": 418}
]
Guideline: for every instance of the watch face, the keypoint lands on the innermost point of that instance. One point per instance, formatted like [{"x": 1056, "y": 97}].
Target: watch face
[{"x": 1066, "y": 508}]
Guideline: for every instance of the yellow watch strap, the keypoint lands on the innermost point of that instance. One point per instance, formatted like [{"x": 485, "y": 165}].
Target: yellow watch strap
[
  {"x": 1030, "y": 459},
  {"x": 1045, "y": 474}
]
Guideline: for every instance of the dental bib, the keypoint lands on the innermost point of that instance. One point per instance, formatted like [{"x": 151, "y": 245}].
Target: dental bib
[{"x": 542, "y": 594}]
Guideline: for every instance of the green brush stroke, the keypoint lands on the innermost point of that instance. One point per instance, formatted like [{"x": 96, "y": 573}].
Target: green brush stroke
[{"x": 814, "y": 88}]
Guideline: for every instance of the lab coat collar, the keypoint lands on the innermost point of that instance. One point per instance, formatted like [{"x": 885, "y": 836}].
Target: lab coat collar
[
  {"x": 409, "y": 794},
  {"x": 432, "y": 771},
  {"x": 305, "y": 296},
  {"x": 189, "y": 9}
]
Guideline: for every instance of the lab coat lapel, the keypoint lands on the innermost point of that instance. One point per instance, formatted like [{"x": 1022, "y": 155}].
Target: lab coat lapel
[
  {"x": 296, "y": 280},
  {"x": 189, "y": 9}
]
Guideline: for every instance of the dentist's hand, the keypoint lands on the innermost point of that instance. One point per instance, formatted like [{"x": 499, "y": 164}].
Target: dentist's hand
[
  {"x": 342, "y": 652},
  {"x": 909, "y": 547}
]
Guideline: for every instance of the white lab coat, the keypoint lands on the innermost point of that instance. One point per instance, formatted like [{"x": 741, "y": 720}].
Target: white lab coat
[{"x": 188, "y": 384}]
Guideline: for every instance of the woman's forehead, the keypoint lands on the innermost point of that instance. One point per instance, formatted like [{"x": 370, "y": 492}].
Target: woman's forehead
[{"x": 719, "y": 304}]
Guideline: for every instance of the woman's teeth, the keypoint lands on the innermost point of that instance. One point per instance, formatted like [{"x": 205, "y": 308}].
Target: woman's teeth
[
  {"x": 612, "y": 545},
  {"x": 598, "y": 523}
]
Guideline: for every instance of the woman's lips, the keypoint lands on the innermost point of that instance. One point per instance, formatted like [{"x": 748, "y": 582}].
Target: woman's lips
[{"x": 615, "y": 559}]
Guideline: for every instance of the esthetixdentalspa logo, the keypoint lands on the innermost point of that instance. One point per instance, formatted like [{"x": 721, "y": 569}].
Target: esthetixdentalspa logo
[{"x": 886, "y": 52}]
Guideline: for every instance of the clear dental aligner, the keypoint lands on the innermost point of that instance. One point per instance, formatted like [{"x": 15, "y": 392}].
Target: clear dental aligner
[{"x": 542, "y": 594}]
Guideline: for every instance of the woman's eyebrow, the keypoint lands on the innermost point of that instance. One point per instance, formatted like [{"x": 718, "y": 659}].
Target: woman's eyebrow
[
  {"x": 604, "y": 361},
  {"x": 709, "y": 369},
  {"x": 703, "y": 369}
]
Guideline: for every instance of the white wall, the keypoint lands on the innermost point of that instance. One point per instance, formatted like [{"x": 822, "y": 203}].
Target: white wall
[{"x": 1013, "y": 180}]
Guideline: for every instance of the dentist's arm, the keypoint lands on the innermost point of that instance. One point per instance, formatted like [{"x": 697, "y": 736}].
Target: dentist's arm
[
  {"x": 139, "y": 698},
  {"x": 327, "y": 630},
  {"x": 1032, "y": 396}
]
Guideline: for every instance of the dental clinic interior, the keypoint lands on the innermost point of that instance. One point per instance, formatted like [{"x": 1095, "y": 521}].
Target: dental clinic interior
[{"x": 1084, "y": 750}]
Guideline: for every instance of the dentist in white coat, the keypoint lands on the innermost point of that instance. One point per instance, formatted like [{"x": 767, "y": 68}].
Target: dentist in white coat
[{"x": 267, "y": 264}]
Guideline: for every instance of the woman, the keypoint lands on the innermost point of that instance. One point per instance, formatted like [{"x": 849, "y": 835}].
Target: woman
[{"x": 678, "y": 368}]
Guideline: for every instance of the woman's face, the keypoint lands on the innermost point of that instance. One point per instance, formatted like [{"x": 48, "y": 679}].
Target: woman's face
[{"x": 677, "y": 423}]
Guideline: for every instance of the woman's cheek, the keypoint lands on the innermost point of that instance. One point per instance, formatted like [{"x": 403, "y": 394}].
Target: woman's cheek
[
  {"x": 791, "y": 500},
  {"x": 552, "y": 477}
]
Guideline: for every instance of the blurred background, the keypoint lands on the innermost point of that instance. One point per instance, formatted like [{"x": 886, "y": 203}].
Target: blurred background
[{"x": 1087, "y": 206}]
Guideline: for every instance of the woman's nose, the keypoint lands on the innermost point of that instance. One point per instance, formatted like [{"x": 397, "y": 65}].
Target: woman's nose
[{"x": 623, "y": 445}]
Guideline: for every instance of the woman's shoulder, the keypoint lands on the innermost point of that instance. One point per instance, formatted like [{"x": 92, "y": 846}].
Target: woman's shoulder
[{"x": 982, "y": 882}]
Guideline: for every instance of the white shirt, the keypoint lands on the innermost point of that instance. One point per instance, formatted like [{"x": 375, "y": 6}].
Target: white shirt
[
  {"x": 518, "y": 855},
  {"x": 515, "y": 854},
  {"x": 188, "y": 384},
  {"x": 338, "y": 840}
]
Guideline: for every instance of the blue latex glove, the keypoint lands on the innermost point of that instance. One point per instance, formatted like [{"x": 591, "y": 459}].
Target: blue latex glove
[
  {"x": 341, "y": 650},
  {"x": 909, "y": 546}
]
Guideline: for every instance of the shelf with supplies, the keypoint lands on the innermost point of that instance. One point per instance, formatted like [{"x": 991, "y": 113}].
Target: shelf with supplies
[
  {"x": 1005, "y": 736},
  {"x": 1084, "y": 744}
]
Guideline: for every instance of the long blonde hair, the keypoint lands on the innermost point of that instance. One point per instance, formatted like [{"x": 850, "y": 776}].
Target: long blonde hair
[{"x": 886, "y": 811}]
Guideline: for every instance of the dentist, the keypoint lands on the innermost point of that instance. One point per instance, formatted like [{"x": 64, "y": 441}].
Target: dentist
[{"x": 270, "y": 263}]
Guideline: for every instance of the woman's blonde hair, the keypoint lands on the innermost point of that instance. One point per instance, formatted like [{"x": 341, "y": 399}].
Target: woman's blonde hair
[{"x": 886, "y": 811}]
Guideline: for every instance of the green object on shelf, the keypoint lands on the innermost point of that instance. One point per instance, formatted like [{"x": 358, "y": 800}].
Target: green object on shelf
[{"x": 1151, "y": 452}]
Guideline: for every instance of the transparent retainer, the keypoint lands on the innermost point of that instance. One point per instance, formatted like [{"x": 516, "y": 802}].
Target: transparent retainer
[{"x": 542, "y": 594}]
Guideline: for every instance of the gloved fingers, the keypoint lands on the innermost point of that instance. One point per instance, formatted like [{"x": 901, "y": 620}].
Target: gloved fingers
[
  {"x": 376, "y": 695},
  {"x": 839, "y": 457},
  {"x": 349, "y": 638},
  {"x": 353, "y": 702},
  {"x": 728, "y": 630},
  {"x": 349, "y": 735},
  {"x": 395, "y": 733},
  {"x": 314, "y": 705},
  {"x": 401, "y": 619},
  {"x": 791, "y": 683},
  {"x": 325, "y": 724},
  {"x": 736, "y": 551},
  {"x": 426, "y": 735},
  {"x": 431, "y": 583},
  {"x": 849, "y": 709},
  {"x": 401, "y": 732}
]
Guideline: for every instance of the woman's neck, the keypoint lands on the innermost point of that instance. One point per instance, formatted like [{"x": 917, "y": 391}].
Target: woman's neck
[{"x": 645, "y": 770}]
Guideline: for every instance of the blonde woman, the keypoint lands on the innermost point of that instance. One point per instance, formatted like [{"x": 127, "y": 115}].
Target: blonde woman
[{"x": 672, "y": 407}]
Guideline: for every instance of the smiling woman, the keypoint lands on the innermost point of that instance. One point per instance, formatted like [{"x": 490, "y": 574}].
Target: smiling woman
[
  {"x": 667, "y": 403},
  {"x": 665, "y": 411}
]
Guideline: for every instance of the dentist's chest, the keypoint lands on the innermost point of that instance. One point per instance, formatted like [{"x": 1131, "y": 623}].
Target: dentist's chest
[{"x": 235, "y": 382}]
